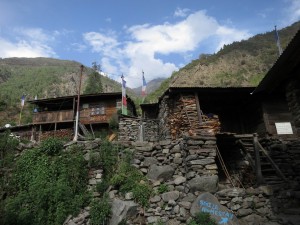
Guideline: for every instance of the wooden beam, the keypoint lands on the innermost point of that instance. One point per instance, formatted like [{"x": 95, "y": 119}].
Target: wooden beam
[
  {"x": 259, "y": 177},
  {"x": 278, "y": 171},
  {"x": 198, "y": 108}
]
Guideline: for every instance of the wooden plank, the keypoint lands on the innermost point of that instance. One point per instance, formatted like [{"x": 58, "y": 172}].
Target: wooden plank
[
  {"x": 198, "y": 108},
  {"x": 259, "y": 177},
  {"x": 278, "y": 171},
  {"x": 266, "y": 119}
]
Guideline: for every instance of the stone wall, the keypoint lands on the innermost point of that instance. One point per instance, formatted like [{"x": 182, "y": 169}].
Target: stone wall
[
  {"x": 178, "y": 117},
  {"x": 164, "y": 128},
  {"x": 137, "y": 129},
  {"x": 187, "y": 166},
  {"x": 293, "y": 98}
]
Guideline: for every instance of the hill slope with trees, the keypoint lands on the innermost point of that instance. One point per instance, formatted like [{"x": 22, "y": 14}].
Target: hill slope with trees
[{"x": 239, "y": 64}]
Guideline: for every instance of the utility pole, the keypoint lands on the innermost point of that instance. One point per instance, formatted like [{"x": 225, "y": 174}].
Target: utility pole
[{"x": 78, "y": 105}]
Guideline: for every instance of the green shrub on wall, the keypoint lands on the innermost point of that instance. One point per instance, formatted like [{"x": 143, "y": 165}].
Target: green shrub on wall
[
  {"x": 100, "y": 211},
  {"x": 51, "y": 146},
  {"x": 202, "y": 218},
  {"x": 45, "y": 190}
]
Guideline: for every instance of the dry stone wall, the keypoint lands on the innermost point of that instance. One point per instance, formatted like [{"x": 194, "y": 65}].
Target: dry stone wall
[
  {"x": 293, "y": 98},
  {"x": 137, "y": 129}
]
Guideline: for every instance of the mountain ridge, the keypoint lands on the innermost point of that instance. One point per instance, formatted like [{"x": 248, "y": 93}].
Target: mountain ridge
[{"x": 239, "y": 64}]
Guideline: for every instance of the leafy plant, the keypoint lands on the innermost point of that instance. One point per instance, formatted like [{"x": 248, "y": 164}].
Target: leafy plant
[
  {"x": 45, "y": 190},
  {"x": 162, "y": 188},
  {"x": 114, "y": 122},
  {"x": 202, "y": 218},
  {"x": 108, "y": 157},
  {"x": 141, "y": 193},
  {"x": 8, "y": 144},
  {"x": 100, "y": 211},
  {"x": 51, "y": 146},
  {"x": 130, "y": 179},
  {"x": 102, "y": 186}
]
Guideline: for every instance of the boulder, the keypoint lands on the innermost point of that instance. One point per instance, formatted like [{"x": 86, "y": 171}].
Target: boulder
[
  {"x": 231, "y": 192},
  {"x": 148, "y": 161},
  {"x": 208, "y": 203},
  {"x": 122, "y": 210},
  {"x": 204, "y": 183},
  {"x": 171, "y": 195},
  {"x": 179, "y": 180},
  {"x": 160, "y": 172}
]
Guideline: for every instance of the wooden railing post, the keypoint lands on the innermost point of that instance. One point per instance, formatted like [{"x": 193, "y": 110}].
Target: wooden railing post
[{"x": 259, "y": 177}]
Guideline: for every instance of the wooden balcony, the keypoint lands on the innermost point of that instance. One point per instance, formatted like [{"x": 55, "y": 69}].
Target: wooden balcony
[{"x": 53, "y": 116}]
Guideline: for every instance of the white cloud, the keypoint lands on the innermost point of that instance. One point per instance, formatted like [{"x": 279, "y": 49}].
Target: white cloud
[
  {"x": 27, "y": 42},
  {"x": 293, "y": 11},
  {"x": 181, "y": 12},
  {"x": 34, "y": 34},
  {"x": 24, "y": 49},
  {"x": 145, "y": 42},
  {"x": 104, "y": 43},
  {"x": 78, "y": 47}
]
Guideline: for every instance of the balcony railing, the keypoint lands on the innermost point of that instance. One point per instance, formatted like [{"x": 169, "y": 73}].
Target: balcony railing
[{"x": 53, "y": 116}]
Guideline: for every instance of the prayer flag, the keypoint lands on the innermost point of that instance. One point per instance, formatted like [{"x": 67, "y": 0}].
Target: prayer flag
[
  {"x": 23, "y": 100},
  {"x": 144, "y": 86},
  {"x": 124, "y": 100},
  {"x": 278, "y": 41}
]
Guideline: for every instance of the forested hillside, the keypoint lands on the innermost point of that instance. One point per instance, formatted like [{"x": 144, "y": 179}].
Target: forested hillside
[{"x": 239, "y": 64}]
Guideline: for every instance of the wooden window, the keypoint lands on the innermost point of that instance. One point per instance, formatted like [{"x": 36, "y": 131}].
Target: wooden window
[
  {"x": 97, "y": 109},
  {"x": 119, "y": 104}
]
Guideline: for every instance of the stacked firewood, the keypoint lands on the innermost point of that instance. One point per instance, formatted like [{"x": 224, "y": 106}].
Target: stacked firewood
[
  {"x": 210, "y": 123},
  {"x": 62, "y": 133},
  {"x": 184, "y": 118}
]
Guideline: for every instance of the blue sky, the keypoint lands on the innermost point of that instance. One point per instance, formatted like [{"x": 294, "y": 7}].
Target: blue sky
[{"x": 128, "y": 36}]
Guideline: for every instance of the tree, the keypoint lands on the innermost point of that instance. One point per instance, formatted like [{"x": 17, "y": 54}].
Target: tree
[{"x": 94, "y": 83}]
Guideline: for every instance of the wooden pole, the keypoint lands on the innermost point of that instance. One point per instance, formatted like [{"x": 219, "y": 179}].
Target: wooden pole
[{"x": 78, "y": 104}]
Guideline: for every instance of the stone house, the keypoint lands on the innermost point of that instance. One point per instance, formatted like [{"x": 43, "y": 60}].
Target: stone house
[{"x": 221, "y": 137}]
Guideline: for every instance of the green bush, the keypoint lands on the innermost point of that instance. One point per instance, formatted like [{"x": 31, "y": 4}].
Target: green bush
[
  {"x": 102, "y": 186},
  {"x": 100, "y": 211},
  {"x": 129, "y": 179},
  {"x": 51, "y": 146},
  {"x": 45, "y": 190},
  {"x": 141, "y": 193},
  {"x": 108, "y": 158},
  {"x": 114, "y": 122},
  {"x": 8, "y": 144},
  {"x": 162, "y": 188},
  {"x": 202, "y": 218}
]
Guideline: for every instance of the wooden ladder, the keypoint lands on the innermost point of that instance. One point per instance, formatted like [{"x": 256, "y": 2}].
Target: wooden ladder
[
  {"x": 261, "y": 162},
  {"x": 84, "y": 129}
]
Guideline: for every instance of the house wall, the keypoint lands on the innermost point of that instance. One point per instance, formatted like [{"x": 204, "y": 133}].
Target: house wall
[
  {"x": 276, "y": 110},
  {"x": 53, "y": 116},
  {"x": 137, "y": 129},
  {"x": 293, "y": 98},
  {"x": 98, "y": 112}
]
